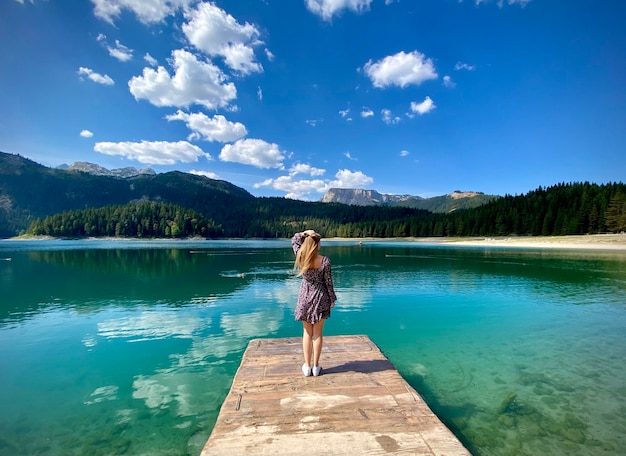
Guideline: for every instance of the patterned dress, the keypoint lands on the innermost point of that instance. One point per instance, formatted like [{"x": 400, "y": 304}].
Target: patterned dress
[{"x": 317, "y": 292}]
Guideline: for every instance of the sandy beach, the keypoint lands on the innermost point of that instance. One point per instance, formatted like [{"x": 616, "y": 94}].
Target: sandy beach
[{"x": 582, "y": 242}]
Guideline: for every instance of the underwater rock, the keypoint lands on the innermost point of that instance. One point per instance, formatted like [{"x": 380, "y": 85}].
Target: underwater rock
[
  {"x": 509, "y": 404},
  {"x": 460, "y": 422},
  {"x": 527, "y": 378},
  {"x": 507, "y": 420},
  {"x": 564, "y": 388},
  {"x": 570, "y": 428},
  {"x": 8, "y": 446},
  {"x": 542, "y": 390},
  {"x": 196, "y": 442}
]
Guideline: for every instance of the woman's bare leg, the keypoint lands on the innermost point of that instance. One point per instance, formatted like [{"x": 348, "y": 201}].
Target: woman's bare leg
[
  {"x": 307, "y": 342},
  {"x": 317, "y": 341}
]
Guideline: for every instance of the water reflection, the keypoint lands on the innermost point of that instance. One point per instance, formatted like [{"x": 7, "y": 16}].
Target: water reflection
[
  {"x": 153, "y": 325},
  {"x": 86, "y": 278}
]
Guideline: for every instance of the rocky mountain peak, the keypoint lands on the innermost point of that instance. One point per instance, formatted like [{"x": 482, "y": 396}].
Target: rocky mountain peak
[
  {"x": 97, "y": 170},
  {"x": 444, "y": 203}
]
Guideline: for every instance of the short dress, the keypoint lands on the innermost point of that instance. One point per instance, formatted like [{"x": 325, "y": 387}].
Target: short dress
[{"x": 317, "y": 292}]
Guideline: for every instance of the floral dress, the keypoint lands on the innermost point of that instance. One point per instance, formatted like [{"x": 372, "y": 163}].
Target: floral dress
[{"x": 317, "y": 292}]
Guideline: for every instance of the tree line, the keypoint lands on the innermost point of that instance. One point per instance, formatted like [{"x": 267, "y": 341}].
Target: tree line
[
  {"x": 140, "y": 220},
  {"x": 562, "y": 209}
]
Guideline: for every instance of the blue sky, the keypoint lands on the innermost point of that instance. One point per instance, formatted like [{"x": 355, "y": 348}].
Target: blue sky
[{"x": 293, "y": 97}]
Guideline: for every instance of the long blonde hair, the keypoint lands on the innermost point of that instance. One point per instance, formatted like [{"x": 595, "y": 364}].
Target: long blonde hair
[{"x": 307, "y": 253}]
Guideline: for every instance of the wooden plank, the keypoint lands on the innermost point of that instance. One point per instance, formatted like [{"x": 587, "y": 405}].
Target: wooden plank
[{"x": 359, "y": 405}]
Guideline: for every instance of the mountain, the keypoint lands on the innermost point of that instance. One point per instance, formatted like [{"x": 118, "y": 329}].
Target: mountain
[
  {"x": 444, "y": 203},
  {"x": 360, "y": 197},
  {"x": 29, "y": 191},
  {"x": 97, "y": 170}
]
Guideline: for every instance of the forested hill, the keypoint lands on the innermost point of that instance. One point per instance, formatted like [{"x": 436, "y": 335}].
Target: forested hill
[
  {"x": 574, "y": 208},
  {"x": 559, "y": 210},
  {"x": 29, "y": 191}
]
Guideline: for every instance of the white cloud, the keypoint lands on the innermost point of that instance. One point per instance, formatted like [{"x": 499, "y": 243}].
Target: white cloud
[
  {"x": 253, "y": 324},
  {"x": 500, "y": 3},
  {"x": 103, "y": 393},
  {"x": 208, "y": 174},
  {"x": 217, "y": 33},
  {"x": 344, "y": 114},
  {"x": 464, "y": 66},
  {"x": 158, "y": 324},
  {"x": 366, "y": 112},
  {"x": 269, "y": 55},
  {"x": 255, "y": 152},
  {"x": 388, "y": 117},
  {"x": 312, "y": 122},
  {"x": 305, "y": 168},
  {"x": 153, "y": 152},
  {"x": 304, "y": 188},
  {"x": 215, "y": 128},
  {"x": 404, "y": 153},
  {"x": 147, "y": 11},
  {"x": 448, "y": 82},
  {"x": 295, "y": 189},
  {"x": 326, "y": 9},
  {"x": 120, "y": 52},
  {"x": 95, "y": 77},
  {"x": 86, "y": 134},
  {"x": 401, "y": 69},
  {"x": 350, "y": 179},
  {"x": 259, "y": 93},
  {"x": 150, "y": 60},
  {"x": 194, "y": 82},
  {"x": 349, "y": 157},
  {"x": 425, "y": 106}
]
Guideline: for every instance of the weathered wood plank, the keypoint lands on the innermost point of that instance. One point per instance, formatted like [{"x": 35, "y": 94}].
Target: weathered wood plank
[{"x": 359, "y": 405}]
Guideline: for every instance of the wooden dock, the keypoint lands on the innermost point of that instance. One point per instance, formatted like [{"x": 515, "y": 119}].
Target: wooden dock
[{"x": 360, "y": 405}]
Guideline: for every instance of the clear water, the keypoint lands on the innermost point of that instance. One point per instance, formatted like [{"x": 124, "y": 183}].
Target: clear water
[{"x": 129, "y": 348}]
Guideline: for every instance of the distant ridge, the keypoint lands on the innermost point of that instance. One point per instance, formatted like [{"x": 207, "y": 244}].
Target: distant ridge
[
  {"x": 442, "y": 204},
  {"x": 29, "y": 190},
  {"x": 97, "y": 170}
]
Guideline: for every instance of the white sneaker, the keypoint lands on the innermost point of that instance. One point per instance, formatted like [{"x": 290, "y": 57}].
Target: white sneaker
[
  {"x": 316, "y": 371},
  {"x": 306, "y": 370}
]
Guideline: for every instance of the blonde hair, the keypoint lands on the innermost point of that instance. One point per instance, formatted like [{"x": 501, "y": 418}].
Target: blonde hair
[{"x": 307, "y": 252}]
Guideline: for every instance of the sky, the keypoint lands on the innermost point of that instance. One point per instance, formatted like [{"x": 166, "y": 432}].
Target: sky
[{"x": 294, "y": 97}]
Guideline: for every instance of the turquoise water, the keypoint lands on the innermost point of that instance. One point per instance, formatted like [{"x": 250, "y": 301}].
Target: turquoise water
[{"x": 125, "y": 347}]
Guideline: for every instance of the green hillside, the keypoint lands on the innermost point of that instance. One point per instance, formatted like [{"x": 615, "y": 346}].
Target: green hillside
[{"x": 30, "y": 192}]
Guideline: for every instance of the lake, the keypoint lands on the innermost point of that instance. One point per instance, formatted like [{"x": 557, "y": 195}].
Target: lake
[{"x": 130, "y": 347}]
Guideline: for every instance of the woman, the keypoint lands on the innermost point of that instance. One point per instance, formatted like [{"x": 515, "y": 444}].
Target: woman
[{"x": 316, "y": 297}]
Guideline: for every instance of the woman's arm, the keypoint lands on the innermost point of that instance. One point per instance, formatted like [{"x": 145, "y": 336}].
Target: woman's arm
[
  {"x": 328, "y": 279},
  {"x": 296, "y": 242},
  {"x": 298, "y": 239}
]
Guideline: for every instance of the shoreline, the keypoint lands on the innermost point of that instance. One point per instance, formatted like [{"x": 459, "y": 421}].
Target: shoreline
[
  {"x": 570, "y": 242},
  {"x": 615, "y": 242}
]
